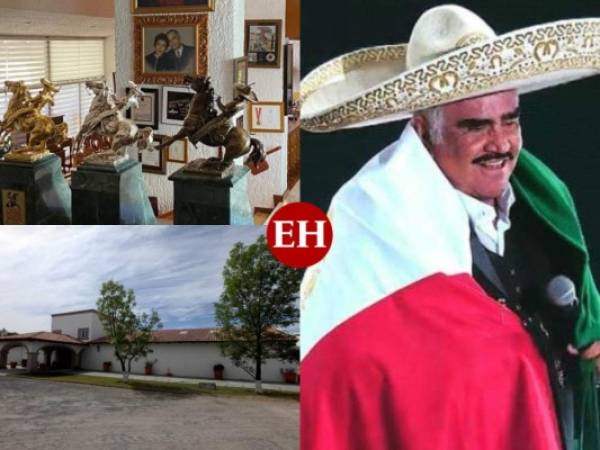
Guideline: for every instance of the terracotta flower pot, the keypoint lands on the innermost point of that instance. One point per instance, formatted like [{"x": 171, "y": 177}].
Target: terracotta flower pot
[
  {"x": 148, "y": 370},
  {"x": 107, "y": 366},
  {"x": 13, "y": 364},
  {"x": 290, "y": 377}
]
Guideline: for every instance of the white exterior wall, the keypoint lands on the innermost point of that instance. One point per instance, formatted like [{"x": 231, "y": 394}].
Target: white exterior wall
[
  {"x": 194, "y": 360},
  {"x": 69, "y": 323},
  {"x": 268, "y": 85}
]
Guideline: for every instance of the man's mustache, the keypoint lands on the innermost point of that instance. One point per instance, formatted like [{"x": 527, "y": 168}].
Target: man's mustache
[{"x": 495, "y": 155}]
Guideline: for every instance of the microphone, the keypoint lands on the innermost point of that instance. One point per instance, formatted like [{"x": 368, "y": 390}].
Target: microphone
[{"x": 561, "y": 293}]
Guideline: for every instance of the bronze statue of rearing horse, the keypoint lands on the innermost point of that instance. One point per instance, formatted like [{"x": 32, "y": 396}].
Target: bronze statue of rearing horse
[{"x": 204, "y": 124}]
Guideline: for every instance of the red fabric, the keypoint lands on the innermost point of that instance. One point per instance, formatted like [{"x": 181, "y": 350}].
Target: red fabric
[{"x": 437, "y": 365}]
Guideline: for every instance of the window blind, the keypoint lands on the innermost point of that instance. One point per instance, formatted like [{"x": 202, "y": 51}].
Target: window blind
[
  {"x": 66, "y": 103},
  {"x": 85, "y": 100},
  {"x": 22, "y": 60},
  {"x": 76, "y": 60}
]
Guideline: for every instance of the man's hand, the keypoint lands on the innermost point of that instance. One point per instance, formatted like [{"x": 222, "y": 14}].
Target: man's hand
[{"x": 592, "y": 351}]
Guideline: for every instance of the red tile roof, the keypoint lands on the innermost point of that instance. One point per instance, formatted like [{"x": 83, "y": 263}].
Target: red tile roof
[
  {"x": 183, "y": 335},
  {"x": 43, "y": 336}
]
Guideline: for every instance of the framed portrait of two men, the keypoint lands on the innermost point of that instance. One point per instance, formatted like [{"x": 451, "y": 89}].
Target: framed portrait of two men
[{"x": 166, "y": 48}]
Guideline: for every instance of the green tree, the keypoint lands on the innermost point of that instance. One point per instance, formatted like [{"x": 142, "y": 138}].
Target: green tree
[
  {"x": 259, "y": 299},
  {"x": 130, "y": 334}
]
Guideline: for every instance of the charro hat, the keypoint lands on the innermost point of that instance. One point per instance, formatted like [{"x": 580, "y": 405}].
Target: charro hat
[{"x": 452, "y": 54}]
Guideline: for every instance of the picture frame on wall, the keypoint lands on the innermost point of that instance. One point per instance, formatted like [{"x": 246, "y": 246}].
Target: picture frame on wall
[
  {"x": 288, "y": 78},
  {"x": 154, "y": 161},
  {"x": 169, "y": 6},
  {"x": 240, "y": 72},
  {"x": 166, "y": 48},
  {"x": 266, "y": 117},
  {"x": 175, "y": 105},
  {"x": 262, "y": 43},
  {"x": 178, "y": 151},
  {"x": 148, "y": 112}
]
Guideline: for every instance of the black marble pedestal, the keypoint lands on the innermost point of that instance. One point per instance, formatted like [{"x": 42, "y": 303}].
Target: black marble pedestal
[
  {"x": 206, "y": 200},
  {"x": 106, "y": 194},
  {"x": 34, "y": 193}
]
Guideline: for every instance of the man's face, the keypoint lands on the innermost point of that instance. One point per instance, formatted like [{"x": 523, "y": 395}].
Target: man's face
[
  {"x": 160, "y": 47},
  {"x": 480, "y": 143},
  {"x": 174, "y": 40}
]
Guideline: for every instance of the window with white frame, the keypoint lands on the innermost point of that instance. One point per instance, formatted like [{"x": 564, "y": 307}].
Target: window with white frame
[
  {"x": 66, "y": 62},
  {"x": 83, "y": 334}
]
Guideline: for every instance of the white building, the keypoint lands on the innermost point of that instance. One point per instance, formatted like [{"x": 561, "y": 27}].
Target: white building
[{"x": 77, "y": 341}]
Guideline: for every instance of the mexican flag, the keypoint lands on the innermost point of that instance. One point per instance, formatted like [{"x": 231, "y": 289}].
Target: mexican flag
[{"x": 402, "y": 349}]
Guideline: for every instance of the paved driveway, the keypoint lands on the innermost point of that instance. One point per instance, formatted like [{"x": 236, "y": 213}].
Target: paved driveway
[{"x": 37, "y": 414}]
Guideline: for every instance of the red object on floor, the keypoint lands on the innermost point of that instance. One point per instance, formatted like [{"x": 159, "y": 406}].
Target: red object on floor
[{"x": 437, "y": 365}]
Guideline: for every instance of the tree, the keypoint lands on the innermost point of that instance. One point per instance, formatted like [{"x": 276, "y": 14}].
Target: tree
[
  {"x": 130, "y": 334},
  {"x": 260, "y": 298}
]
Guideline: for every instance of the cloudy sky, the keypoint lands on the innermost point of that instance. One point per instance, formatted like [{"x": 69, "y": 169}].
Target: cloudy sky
[{"x": 176, "y": 270}]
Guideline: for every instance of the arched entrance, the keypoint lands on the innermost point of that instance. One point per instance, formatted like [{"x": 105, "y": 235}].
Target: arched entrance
[
  {"x": 17, "y": 359},
  {"x": 45, "y": 351},
  {"x": 58, "y": 358}
]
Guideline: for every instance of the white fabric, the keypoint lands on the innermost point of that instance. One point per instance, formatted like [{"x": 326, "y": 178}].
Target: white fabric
[
  {"x": 490, "y": 223},
  {"x": 395, "y": 222}
]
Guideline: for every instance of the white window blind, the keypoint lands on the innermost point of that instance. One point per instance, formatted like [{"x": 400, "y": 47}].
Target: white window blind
[
  {"x": 24, "y": 60},
  {"x": 85, "y": 100},
  {"x": 66, "y": 104},
  {"x": 3, "y": 103},
  {"x": 72, "y": 60}
]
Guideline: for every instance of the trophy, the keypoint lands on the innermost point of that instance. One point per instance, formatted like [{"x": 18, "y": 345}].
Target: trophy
[
  {"x": 106, "y": 118},
  {"x": 24, "y": 115},
  {"x": 204, "y": 124}
]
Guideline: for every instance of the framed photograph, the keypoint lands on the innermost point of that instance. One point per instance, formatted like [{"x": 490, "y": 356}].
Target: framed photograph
[
  {"x": 170, "y": 6},
  {"x": 166, "y": 48},
  {"x": 14, "y": 211},
  {"x": 240, "y": 72},
  {"x": 266, "y": 117},
  {"x": 154, "y": 161},
  {"x": 146, "y": 115},
  {"x": 178, "y": 151},
  {"x": 263, "y": 43},
  {"x": 175, "y": 105}
]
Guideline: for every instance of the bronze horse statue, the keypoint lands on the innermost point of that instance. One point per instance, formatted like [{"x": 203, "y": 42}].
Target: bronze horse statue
[{"x": 204, "y": 124}]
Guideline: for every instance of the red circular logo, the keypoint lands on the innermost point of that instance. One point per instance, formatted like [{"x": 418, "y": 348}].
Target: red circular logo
[{"x": 299, "y": 234}]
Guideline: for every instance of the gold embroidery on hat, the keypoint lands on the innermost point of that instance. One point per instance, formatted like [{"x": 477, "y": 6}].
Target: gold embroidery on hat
[
  {"x": 469, "y": 39},
  {"x": 562, "y": 46},
  {"x": 546, "y": 51}
]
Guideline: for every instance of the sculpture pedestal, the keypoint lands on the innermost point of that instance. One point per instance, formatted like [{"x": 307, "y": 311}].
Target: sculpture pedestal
[
  {"x": 205, "y": 200},
  {"x": 106, "y": 194},
  {"x": 34, "y": 193}
]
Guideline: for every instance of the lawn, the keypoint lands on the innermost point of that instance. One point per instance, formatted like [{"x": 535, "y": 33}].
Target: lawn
[{"x": 156, "y": 386}]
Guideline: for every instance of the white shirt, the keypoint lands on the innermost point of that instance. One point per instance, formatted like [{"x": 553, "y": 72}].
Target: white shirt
[{"x": 490, "y": 223}]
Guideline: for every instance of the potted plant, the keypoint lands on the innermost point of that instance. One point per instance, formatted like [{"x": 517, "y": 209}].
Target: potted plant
[
  {"x": 169, "y": 374},
  {"x": 148, "y": 367},
  {"x": 218, "y": 370},
  {"x": 289, "y": 376},
  {"x": 13, "y": 364},
  {"x": 107, "y": 366}
]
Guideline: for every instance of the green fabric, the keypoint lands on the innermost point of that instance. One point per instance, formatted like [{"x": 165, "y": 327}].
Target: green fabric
[{"x": 536, "y": 185}]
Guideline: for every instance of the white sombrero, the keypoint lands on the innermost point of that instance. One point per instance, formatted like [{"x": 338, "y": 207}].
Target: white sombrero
[{"x": 452, "y": 54}]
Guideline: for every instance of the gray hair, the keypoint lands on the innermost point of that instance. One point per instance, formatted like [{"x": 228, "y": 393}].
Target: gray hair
[{"x": 435, "y": 120}]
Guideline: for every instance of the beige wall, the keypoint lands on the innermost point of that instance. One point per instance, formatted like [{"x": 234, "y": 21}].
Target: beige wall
[{"x": 97, "y": 8}]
